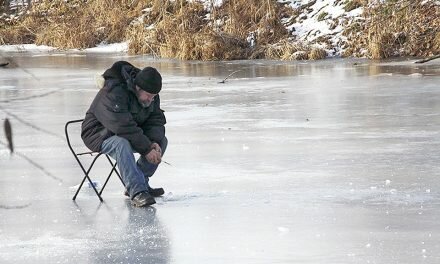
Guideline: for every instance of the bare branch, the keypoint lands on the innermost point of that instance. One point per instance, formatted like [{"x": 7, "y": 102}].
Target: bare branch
[
  {"x": 14, "y": 206},
  {"x": 428, "y": 59},
  {"x": 229, "y": 76}
]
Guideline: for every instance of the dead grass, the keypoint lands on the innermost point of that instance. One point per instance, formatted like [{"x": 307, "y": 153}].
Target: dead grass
[
  {"x": 317, "y": 54},
  {"x": 164, "y": 28},
  {"x": 181, "y": 29},
  {"x": 18, "y": 32},
  {"x": 437, "y": 42},
  {"x": 397, "y": 28},
  {"x": 173, "y": 29},
  {"x": 288, "y": 50},
  {"x": 352, "y": 4},
  {"x": 184, "y": 30},
  {"x": 16, "y": 35},
  {"x": 381, "y": 45},
  {"x": 242, "y": 17},
  {"x": 73, "y": 24}
]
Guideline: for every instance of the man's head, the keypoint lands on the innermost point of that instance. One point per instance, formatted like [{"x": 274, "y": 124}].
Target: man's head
[{"x": 148, "y": 84}]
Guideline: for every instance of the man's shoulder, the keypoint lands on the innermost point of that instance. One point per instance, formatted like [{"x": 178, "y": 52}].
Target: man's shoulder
[
  {"x": 115, "y": 88},
  {"x": 114, "y": 93}
]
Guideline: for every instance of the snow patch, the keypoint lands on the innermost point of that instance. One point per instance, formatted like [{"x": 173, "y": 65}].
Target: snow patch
[
  {"x": 101, "y": 48},
  {"x": 26, "y": 47},
  {"x": 321, "y": 23},
  {"x": 109, "y": 48}
]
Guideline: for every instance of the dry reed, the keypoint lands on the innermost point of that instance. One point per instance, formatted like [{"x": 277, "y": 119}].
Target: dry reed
[
  {"x": 289, "y": 50},
  {"x": 73, "y": 24},
  {"x": 396, "y": 28},
  {"x": 180, "y": 29}
]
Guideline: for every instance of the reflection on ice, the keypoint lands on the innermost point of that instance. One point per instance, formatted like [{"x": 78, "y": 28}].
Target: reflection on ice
[{"x": 142, "y": 240}]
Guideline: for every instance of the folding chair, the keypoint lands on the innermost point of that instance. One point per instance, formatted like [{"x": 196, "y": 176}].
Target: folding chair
[{"x": 87, "y": 172}]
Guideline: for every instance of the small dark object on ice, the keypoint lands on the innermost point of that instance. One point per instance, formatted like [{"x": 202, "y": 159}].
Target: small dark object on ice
[
  {"x": 4, "y": 64},
  {"x": 8, "y": 133},
  {"x": 224, "y": 80}
]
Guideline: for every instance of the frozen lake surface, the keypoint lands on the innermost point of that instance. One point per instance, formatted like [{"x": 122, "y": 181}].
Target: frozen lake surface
[{"x": 301, "y": 162}]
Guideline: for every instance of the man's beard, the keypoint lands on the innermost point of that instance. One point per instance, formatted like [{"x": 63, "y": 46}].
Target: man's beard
[{"x": 144, "y": 104}]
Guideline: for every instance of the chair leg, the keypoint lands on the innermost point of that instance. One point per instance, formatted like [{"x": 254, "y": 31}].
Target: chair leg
[
  {"x": 94, "y": 188},
  {"x": 79, "y": 188},
  {"x": 108, "y": 177},
  {"x": 91, "y": 184},
  {"x": 86, "y": 176},
  {"x": 116, "y": 171}
]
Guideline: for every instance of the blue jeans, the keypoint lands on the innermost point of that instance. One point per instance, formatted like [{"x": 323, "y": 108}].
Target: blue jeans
[{"x": 134, "y": 174}]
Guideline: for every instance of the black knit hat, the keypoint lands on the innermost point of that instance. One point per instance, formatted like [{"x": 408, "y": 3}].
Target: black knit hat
[{"x": 149, "y": 80}]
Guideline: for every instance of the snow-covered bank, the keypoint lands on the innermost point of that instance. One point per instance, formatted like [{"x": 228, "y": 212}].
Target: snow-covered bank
[{"x": 231, "y": 30}]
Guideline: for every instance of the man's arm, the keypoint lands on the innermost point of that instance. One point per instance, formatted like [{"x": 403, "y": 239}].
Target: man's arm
[{"x": 154, "y": 127}]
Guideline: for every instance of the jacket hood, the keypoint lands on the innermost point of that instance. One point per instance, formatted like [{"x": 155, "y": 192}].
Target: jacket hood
[{"x": 121, "y": 72}]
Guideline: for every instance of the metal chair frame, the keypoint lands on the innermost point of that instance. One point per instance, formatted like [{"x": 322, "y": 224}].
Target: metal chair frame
[{"x": 86, "y": 172}]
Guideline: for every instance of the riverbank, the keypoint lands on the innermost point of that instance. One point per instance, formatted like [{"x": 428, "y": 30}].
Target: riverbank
[{"x": 230, "y": 30}]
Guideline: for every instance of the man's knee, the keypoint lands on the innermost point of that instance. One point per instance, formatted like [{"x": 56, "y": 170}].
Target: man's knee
[
  {"x": 121, "y": 144},
  {"x": 163, "y": 144}
]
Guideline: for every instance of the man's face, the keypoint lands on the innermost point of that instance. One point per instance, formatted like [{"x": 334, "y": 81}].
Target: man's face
[{"x": 144, "y": 98}]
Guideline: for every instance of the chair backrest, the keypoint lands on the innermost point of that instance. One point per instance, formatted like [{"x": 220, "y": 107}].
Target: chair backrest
[{"x": 77, "y": 148}]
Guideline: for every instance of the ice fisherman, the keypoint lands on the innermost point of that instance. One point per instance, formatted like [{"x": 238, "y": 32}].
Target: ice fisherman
[{"x": 125, "y": 117}]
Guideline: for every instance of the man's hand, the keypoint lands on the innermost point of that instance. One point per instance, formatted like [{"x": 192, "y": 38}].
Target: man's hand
[
  {"x": 154, "y": 156},
  {"x": 156, "y": 147}
]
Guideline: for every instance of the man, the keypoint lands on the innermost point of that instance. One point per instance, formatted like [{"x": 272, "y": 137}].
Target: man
[{"x": 125, "y": 117}]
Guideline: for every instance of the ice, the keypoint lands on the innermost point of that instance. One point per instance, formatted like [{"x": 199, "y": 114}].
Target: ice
[
  {"x": 283, "y": 229},
  {"x": 286, "y": 162}
]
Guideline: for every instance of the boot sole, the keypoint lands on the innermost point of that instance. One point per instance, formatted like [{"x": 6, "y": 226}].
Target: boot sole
[{"x": 143, "y": 205}]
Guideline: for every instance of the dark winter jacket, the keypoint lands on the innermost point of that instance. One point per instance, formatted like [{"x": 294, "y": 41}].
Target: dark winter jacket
[{"x": 116, "y": 111}]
